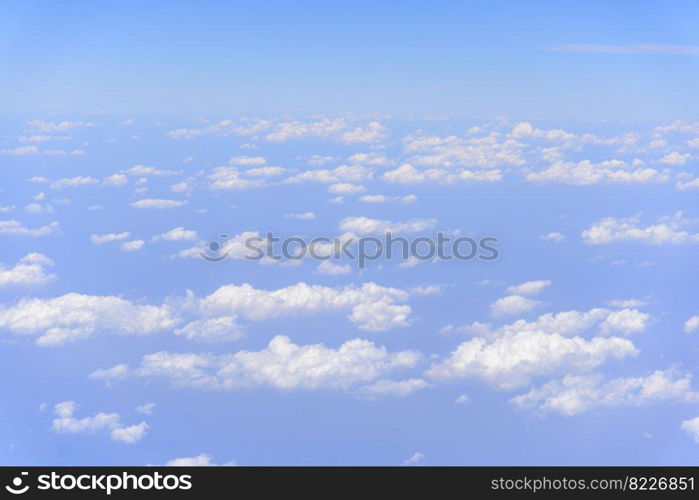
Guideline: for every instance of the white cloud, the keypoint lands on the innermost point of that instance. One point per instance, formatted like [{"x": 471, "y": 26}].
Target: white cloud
[
  {"x": 63, "y": 126},
  {"x": 132, "y": 246},
  {"x": 691, "y": 427},
  {"x": 177, "y": 234},
  {"x": 586, "y": 173},
  {"x": 414, "y": 459},
  {"x": 343, "y": 173},
  {"x": 688, "y": 184},
  {"x": 400, "y": 388},
  {"x": 147, "y": 171},
  {"x": 346, "y": 188},
  {"x": 221, "y": 329},
  {"x": 229, "y": 178},
  {"x": 146, "y": 409},
  {"x": 575, "y": 394},
  {"x": 202, "y": 460},
  {"x": 15, "y": 227},
  {"x": 100, "y": 239},
  {"x": 372, "y": 159},
  {"x": 372, "y": 307},
  {"x": 627, "y": 303},
  {"x": 74, "y": 182},
  {"x": 529, "y": 288},
  {"x": 115, "y": 372},
  {"x": 302, "y": 216},
  {"x": 157, "y": 204},
  {"x": 365, "y": 225},
  {"x": 691, "y": 324},
  {"x": 668, "y": 230},
  {"x": 514, "y": 354},
  {"x": 408, "y": 174},
  {"x": 30, "y": 270},
  {"x": 110, "y": 423},
  {"x": 37, "y": 208},
  {"x": 116, "y": 180},
  {"x": 327, "y": 267},
  {"x": 557, "y": 237},
  {"x": 675, "y": 158},
  {"x": 380, "y": 198},
  {"x": 513, "y": 304},
  {"x": 324, "y": 129},
  {"x": 248, "y": 161},
  {"x": 73, "y": 316},
  {"x": 282, "y": 365},
  {"x": 371, "y": 132}
]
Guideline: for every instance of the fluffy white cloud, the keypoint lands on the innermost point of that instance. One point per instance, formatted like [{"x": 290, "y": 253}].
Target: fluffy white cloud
[
  {"x": 282, "y": 365},
  {"x": 529, "y": 287},
  {"x": 147, "y": 171},
  {"x": 100, "y": 239},
  {"x": 324, "y": 129},
  {"x": 399, "y": 388},
  {"x": 15, "y": 227},
  {"x": 691, "y": 427},
  {"x": 586, "y": 172},
  {"x": 220, "y": 329},
  {"x": 327, "y": 267},
  {"x": 372, "y": 307},
  {"x": 115, "y": 372},
  {"x": 176, "y": 234},
  {"x": 202, "y": 460},
  {"x": 668, "y": 230},
  {"x": 691, "y": 324},
  {"x": 302, "y": 216},
  {"x": 30, "y": 270},
  {"x": 157, "y": 204},
  {"x": 117, "y": 179},
  {"x": 365, "y": 225},
  {"x": 575, "y": 394},
  {"x": 675, "y": 158},
  {"x": 230, "y": 178},
  {"x": 110, "y": 423},
  {"x": 346, "y": 188},
  {"x": 371, "y": 132},
  {"x": 514, "y": 354},
  {"x": 73, "y": 316},
  {"x": 380, "y": 198},
  {"x": 343, "y": 173},
  {"x": 63, "y": 126},
  {"x": 513, "y": 304},
  {"x": 408, "y": 174},
  {"x": 73, "y": 182},
  {"x": 132, "y": 246},
  {"x": 38, "y": 208}
]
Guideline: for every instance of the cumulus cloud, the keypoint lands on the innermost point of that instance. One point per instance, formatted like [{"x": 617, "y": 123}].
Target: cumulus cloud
[
  {"x": 400, "y": 388},
  {"x": 669, "y": 230},
  {"x": 109, "y": 423},
  {"x": 514, "y": 354},
  {"x": 73, "y": 316},
  {"x": 575, "y": 394},
  {"x": 529, "y": 287},
  {"x": 15, "y": 227},
  {"x": 341, "y": 174},
  {"x": 202, "y": 460},
  {"x": 372, "y": 307},
  {"x": 73, "y": 182},
  {"x": 408, "y": 174},
  {"x": 586, "y": 173},
  {"x": 365, "y": 225},
  {"x": 30, "y": 270},
  {"x": 157, "y": 204},
  {"x": 282, "y": 365},
  {"x": 176, "y": 234},
  {"x": 100, "y": 239}
]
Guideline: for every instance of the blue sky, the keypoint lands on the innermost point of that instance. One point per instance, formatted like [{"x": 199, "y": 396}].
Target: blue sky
[{"x": 132, "y": 136}]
